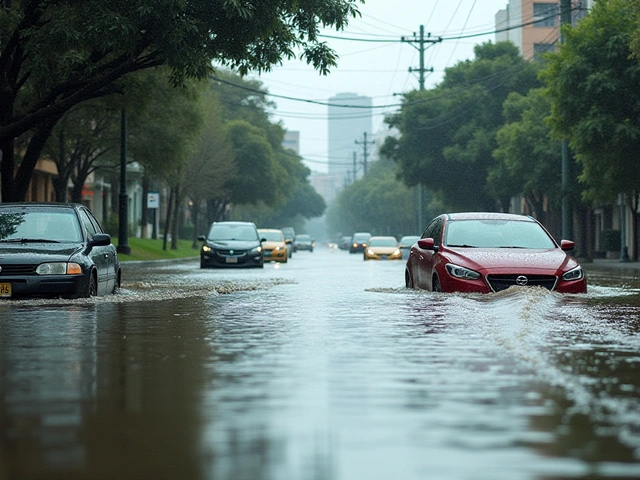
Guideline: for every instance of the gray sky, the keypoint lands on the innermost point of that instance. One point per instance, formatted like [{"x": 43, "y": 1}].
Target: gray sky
[{"x": 377, "y": 69}]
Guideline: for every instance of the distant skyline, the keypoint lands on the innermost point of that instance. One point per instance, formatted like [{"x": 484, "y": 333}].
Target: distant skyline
[{"x": 374, "y": 62}]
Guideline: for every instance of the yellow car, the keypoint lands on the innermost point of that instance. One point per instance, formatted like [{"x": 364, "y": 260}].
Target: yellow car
[
  {"x": 382, "y": 248},
  {"x": 273, "y": 245}
]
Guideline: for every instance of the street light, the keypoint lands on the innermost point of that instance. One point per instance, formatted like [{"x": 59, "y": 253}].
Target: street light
[{"x": 123, "y": 226}]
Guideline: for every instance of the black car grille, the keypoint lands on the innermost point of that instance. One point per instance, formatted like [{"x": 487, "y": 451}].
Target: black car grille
[
  {"x": 234, "y": 252},
  {"x": 502, "y": 282},
  {"x": 17, "y": 270}
]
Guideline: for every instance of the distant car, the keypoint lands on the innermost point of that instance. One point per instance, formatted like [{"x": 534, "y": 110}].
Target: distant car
[
  {"x": 344, "y": 243},
  {"x": 382, "y": 248},
  {"x": 303, "y": 242},
  {"x": 359, "y": 242},
  {"x": 406, "y": 243},
  {"x": 55, "y": 250},
  {"x": 490, "y": 252},
  {"x": 274, "y": 246},
  {"x": 231, "y": 244},
  {"x": 289, "y": 234}
]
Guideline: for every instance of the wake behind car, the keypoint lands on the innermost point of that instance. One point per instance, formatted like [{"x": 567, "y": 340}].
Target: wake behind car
[
  {"x": 55, "y": 250},
  {"x": 490, "y": 252},
  {"x": 232, "y": 244}
]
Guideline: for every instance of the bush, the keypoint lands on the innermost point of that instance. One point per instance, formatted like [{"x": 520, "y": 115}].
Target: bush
[{"x": 610, "y": 240}]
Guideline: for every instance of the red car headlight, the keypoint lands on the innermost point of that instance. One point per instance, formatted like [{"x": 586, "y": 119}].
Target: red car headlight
[
  {"x": 461, "y": 272},
  {"x": 575, "y": 274}
]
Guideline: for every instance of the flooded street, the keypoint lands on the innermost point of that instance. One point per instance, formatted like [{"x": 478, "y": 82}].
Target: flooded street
[{"x": 322, "y": 368}]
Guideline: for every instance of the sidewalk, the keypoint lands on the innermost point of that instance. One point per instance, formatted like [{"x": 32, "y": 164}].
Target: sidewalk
[{"x": 607, "y": 264}]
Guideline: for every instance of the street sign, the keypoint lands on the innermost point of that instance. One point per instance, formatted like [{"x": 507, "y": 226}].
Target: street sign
[{"x": 153, "y": 200}]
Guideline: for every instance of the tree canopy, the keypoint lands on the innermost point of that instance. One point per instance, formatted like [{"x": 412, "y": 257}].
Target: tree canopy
[
  {"x": 592, "y": 81},
  {"x": 447, "y": 134},
  {"x": 56, "y": 54}
]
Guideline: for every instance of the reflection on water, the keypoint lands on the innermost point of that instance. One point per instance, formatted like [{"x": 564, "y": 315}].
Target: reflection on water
[{"x": 322, "y": 368}]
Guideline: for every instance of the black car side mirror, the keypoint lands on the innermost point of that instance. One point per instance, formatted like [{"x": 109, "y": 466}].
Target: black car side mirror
[{"x": 100, "y": 240}]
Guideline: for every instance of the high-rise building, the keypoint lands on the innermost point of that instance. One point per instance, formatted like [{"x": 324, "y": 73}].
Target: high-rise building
[
  {"x": 533, "y": 25},
  {"x": 350, "y": 125}
]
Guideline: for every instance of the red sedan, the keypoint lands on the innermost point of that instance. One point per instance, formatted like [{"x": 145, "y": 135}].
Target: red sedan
[{"x": 490, "y": 252}]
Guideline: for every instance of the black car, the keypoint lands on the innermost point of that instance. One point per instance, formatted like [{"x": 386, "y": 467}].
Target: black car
[
  {"x": 303, "y": 242},
  {"x": 55, "y": 250},
  {"x": 232, "y": 244},
  {"x": 359, "y": 242}
]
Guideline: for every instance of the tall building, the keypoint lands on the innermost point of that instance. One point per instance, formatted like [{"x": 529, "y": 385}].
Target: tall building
[
  {"x": 533, "y": 25},
  {"x": 350, "y": 125}
]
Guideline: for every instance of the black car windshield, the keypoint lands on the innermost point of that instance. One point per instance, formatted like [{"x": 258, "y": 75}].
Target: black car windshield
[
  {"x": 232, "y": 232},
  {"x": 303, "y": 238},
  {"x": 488, "y": 233},
  {"x": 48, "y": 225}
]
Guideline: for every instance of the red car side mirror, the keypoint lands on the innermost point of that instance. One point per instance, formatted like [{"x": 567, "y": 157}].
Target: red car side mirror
[
  {"x": 426, "y": 243},
  {"x": 567, "y": 245}
]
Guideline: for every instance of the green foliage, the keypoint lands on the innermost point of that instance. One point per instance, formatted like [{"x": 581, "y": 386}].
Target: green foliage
[
  {"x": 378, "y": 203},
  {"x": 58, "y": 54},
  {"x": 528, "y": 158},
  {"x": 593, "y": 84},
  {"x": 447, "y": 134}
]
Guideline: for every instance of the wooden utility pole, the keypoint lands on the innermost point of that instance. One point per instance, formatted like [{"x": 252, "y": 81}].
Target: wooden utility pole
[{"x": 420, "y": 44}]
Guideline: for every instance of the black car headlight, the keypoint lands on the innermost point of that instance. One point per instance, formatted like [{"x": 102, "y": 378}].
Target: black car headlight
[
  {"x": 461, "y": 272},
  {"x": 59, "y": 268},
  {"x": 574, "y": 274},
  {"x": 206, "y": 248},
  {"x": 257, "y": 249}
]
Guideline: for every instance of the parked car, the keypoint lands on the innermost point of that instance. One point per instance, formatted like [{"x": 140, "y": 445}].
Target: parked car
[
  {"x": 382, "y": 248},
  {"x": 274, "y": 246},
  {"x": 55, "y": 250},
  {"x": 359, "y": 242},
  {"x": 303, "y": 242},
  {"x": 344, "y": 243},
  {"x": 406, "y": 243},
  {"x": 490, "y": 252},
  {"x": 289, "y": 234},
  {"x": 231, "y": 244}
]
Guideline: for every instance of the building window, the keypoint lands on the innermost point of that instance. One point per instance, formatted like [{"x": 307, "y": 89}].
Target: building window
[
  {"x": 541, "y": 48},
  {"x": 545, "y": 14}
]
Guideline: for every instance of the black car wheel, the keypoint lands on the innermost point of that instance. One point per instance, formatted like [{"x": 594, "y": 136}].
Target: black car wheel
[{"x": 93, "y": 285}]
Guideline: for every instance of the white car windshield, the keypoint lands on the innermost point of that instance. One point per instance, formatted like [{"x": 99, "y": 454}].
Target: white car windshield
[{"x": 496, "y": 234}]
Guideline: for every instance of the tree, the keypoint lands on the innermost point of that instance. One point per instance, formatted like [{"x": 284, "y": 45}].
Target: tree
[
  {"x": 57, "y": 54},
  {"x": 528, "y": 157},
  {"x": 447, "y": 134},
  {"x": 592, "y": 82},
  {"x": 378, "y": 203}
]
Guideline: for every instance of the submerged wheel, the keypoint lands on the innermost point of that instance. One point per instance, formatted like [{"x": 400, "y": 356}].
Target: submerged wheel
[
  {"x": 435, "y": 284},
  {"x": 93, "y": 285},
  {"x": 407, "y": 279}
]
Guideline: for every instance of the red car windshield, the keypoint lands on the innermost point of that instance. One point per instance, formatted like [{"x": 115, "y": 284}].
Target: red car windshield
[{"x": 489, "y": 233}]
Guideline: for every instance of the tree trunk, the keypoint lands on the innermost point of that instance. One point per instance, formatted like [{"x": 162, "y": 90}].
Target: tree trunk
[
  {"x": 167, "y": 223},
  {"x": 144, "y": 220},
  {"x": 176, "y": 218},
  {"x": 7, "y": 169}
]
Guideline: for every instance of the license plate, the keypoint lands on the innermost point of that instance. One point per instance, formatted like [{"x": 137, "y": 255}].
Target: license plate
[
  {"x": 5, "y": 290},
  {"x": 383, "y": 257},
  {"x": 232, "y": 260}
]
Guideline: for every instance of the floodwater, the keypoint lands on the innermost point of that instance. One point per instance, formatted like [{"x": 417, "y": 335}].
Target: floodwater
[{"x": 322, "y": 368}]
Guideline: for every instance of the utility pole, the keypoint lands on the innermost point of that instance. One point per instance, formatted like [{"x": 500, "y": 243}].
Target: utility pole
[
  {"x": 420, "y": 44},
  {"x": 354, "y": 166},
  {"x": 567, "y": 211},
  {"x": 365, "y": 151},
  {"x": 123, "y": 225}
]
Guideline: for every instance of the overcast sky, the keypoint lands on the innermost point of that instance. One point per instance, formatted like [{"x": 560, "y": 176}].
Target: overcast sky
[{"x": 377, "y": 69}]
